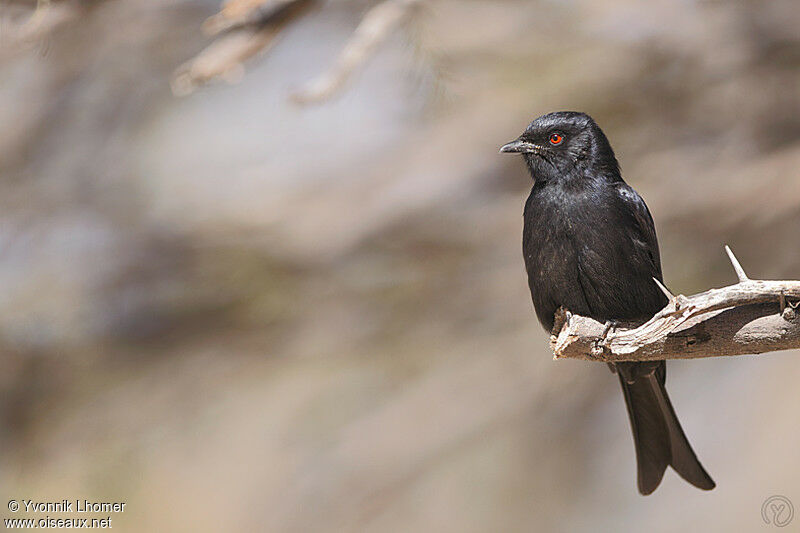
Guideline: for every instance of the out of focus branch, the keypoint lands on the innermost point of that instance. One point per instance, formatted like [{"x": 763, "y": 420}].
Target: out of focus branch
[
  {"x": 244, "y": 28},
  {"x": 247, "y": 27},
  {"x": 376, "y": 25},
  {"x": 750, "y": 317},
  {"x": 241, "y": 13},
  {"x": 42, "y": 17}
]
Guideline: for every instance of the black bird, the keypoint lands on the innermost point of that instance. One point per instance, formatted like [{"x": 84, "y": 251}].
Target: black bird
[{"x": 590, "y": 246}]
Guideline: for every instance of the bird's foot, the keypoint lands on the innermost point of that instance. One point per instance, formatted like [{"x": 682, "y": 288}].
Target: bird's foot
[
  {"x": 599, "y": 345},
  {"x": 610, "y": 326}
]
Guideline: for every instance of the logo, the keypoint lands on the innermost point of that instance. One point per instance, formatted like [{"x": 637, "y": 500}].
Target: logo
[{"x": 777, "y": 510}]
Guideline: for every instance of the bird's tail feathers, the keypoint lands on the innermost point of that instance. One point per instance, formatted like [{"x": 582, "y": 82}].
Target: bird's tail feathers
[{"x": 657, "y": 434}]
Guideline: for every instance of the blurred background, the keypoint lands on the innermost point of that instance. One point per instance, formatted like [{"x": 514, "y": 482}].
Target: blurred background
[{"x": 245, "y": 306}]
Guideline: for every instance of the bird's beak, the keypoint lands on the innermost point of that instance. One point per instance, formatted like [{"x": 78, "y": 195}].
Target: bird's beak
[{"x": 519, "y": 147}]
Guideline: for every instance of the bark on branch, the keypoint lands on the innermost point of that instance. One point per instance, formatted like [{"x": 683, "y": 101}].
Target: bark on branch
[{"x": 750, "y": 317}]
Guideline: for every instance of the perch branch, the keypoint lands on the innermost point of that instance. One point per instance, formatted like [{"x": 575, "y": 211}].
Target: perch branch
[{"x": 750, "y": 317}]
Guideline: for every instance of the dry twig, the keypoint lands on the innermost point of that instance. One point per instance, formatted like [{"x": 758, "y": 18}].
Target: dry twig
[
  {"x": 750, "y": 317},
  {"x": 376, "y": 25},
  {"x": 245, "y": 28},
  {"x": 248, "y": 27},
  {"x": 44, "y": 17}
]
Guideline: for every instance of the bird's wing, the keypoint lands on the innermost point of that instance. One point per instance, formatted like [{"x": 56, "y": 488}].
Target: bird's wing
[
  {"x": 618, "y": 258},
  {"x": 643, "y": 231}
]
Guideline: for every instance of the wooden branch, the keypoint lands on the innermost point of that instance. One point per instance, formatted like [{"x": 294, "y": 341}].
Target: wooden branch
[
  {"x": 236, "y": 14},
  {"x": 244, "y": 29},
  {"x": 45, "y": 17},
  {"x": 374, "y": 28},
  {"x": 750, "y": 317}
]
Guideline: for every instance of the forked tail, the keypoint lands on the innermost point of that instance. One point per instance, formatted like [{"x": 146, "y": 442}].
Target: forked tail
[{"x": 657, "y": 434}]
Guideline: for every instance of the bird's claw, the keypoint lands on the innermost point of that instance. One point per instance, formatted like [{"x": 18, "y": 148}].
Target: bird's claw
[
  {"x": 601, "y": 342},
  {"x": 610, "y": 326}
]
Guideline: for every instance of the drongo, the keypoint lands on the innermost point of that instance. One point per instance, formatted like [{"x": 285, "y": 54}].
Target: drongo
[{"x": 590, "y": 247}]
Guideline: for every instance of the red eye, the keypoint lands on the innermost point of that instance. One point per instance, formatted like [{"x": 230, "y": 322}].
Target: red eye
[{"x": 556, "y": 138}]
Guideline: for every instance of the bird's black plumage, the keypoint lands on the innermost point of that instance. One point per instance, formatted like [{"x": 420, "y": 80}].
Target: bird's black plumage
[{"x": 590, "y": 246}]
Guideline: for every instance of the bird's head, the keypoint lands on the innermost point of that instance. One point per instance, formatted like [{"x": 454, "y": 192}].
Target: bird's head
[{"x": 565, "y": 144}]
